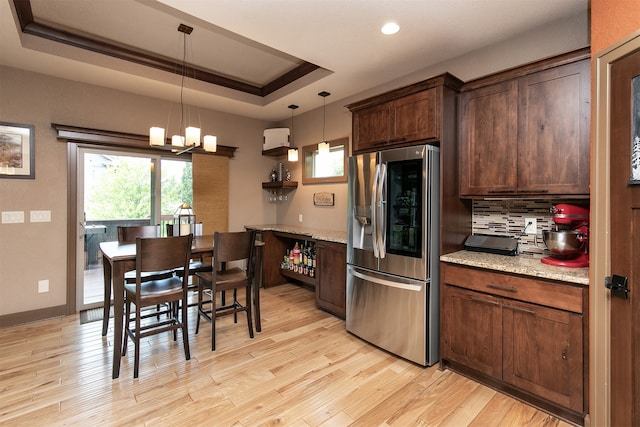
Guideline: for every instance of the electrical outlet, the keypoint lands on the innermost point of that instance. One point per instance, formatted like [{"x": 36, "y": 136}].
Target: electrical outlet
[
  {"x": 300, "y": 218},
  {"x": 43, "y": 286},
  {"x": 531, "y": 226}
]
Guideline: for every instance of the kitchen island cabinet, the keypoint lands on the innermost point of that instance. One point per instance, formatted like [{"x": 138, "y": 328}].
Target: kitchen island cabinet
[
  {"x": 522, "y": 335},
  {"x": 525, "y": 131}
]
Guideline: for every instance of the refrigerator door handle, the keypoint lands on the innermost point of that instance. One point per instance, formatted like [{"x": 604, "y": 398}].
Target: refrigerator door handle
[
  {"x": 374, "y": 212},
  {"x": 382, "y": 226},
  {"x": 393, "y": 284}
]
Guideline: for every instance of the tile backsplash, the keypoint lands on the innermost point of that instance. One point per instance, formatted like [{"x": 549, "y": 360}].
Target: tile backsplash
[{"x": 506, "y": 218}]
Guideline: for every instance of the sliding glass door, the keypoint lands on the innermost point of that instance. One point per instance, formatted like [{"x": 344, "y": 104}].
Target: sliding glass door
[{"x": 120, "y": 189}]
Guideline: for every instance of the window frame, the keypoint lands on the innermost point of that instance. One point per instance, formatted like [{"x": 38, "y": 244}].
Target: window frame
[{"x": 312, "y": 150}]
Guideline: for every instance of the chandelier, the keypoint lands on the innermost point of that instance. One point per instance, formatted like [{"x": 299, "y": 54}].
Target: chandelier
[{"x": 191, "y": 137}]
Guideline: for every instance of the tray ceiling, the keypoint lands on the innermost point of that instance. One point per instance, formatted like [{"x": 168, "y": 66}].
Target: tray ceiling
[{"x": 255, "y": 57}]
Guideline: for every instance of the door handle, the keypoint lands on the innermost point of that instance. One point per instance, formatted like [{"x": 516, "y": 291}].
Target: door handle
[
  {"x": 374, "y": 212},
  {"x": 619, "y": 285},
  {"x": 382, "y": 215}
]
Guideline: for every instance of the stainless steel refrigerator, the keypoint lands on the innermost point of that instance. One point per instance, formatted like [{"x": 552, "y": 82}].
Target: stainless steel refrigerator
[{"x": 392, "y": 251}]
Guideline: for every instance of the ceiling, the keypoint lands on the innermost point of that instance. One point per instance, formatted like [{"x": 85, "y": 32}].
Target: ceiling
[{"x": 261, "y": 55}]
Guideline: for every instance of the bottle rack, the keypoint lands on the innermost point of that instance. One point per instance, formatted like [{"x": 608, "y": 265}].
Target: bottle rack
[{"x": 305, "y": 273}]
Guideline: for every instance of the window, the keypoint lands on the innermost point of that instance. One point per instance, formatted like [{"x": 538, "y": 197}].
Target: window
[
  {"x": 121, "y": 188},
  {"x": 325, "y": 168}
]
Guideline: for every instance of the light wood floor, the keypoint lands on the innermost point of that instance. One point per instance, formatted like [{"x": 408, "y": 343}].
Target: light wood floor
[{"x": 304, "y": 369}]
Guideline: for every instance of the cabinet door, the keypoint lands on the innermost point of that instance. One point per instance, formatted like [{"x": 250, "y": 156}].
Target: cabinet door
[
  {"x": 415, "y": 118},
  {"x": 332, "y": 277},
  {"x": 489, "y": 137},
  {"x": 472, "y": 330},
  {"x": 543, "y": 352},
  {"x": 372, "y": 127},
  {"x": 553, "y": 150}
]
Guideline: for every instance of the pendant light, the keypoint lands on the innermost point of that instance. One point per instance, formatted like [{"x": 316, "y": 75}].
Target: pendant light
[
  {"x": 191, "y": 137},
  {"x": 292, "y": 153},
  {"x": 324, "y": 147}
]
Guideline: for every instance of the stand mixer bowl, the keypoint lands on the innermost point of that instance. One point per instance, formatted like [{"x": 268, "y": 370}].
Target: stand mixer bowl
[{"x": 564, "y": 242}]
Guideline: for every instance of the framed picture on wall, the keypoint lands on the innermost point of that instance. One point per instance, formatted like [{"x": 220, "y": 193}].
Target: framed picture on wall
[{"x": 17, "y": 155}]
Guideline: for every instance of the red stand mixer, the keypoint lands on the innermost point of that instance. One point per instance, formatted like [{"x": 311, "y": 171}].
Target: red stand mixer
[{"x": 568, "y": 240}]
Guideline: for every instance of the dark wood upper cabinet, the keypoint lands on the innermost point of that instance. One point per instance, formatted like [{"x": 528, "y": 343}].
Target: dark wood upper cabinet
[
  {"x": 489, "y": 134},
  {"x": 407, "y": 116},
  {"x": 553, "y": 114},
  {"x": 372, "y": 127},
  {"x": 415, "y": 117},
  {"x": 525, "y": 132}
]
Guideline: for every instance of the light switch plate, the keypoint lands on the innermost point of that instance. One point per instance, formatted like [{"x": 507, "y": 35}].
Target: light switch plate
[
  {"x": 12, "y": 217},
  {"x": 40, "y": 216}
]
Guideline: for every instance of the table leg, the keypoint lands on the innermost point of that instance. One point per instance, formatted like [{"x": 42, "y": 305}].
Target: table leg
[
  {"x": 257, "y": 284},
  {"x": 106, "y": 267},
  {"x": 118, "y": 271}
]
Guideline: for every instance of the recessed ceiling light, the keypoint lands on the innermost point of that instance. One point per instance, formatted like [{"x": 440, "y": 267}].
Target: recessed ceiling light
[{"x": 390, "y": 28}]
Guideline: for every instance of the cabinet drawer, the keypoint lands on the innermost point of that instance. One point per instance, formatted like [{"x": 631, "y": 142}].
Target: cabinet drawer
[{"x": 537, "y": 291}]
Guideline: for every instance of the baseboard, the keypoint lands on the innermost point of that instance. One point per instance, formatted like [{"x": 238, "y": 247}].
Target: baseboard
[{"x": 13, "y": 319}]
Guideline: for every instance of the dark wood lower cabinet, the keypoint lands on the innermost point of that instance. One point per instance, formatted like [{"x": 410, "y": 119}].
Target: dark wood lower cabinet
[
  {"x": 472, "y": 330},
  {"x": 524, "y": 336},
  {"x": 330, "y": 278},
  {"x": 542, "y": 352}
]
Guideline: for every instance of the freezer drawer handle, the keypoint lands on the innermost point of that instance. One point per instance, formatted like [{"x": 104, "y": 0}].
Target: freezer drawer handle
[{"x": 384, "y": 282}]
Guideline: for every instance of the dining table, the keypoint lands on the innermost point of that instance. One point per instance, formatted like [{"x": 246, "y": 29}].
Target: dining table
[{"x": 120, "y": 258}]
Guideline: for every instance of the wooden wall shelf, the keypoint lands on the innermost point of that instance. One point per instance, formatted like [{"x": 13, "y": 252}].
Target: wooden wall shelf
[
  {"x": 281, "y": 184},
  {"x": 276, "y": 152}
]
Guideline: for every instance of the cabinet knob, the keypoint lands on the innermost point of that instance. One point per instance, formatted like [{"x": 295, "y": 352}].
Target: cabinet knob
[{"x": 564, "y": 354}]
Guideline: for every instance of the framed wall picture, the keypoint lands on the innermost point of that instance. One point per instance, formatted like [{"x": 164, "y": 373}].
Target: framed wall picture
[{"x": 17, "y": 155}]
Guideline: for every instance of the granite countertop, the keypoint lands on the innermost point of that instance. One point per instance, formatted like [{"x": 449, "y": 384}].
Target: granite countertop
[
  {"x": 522, "y": 264},
  {"x": 314, "y": 233}
]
